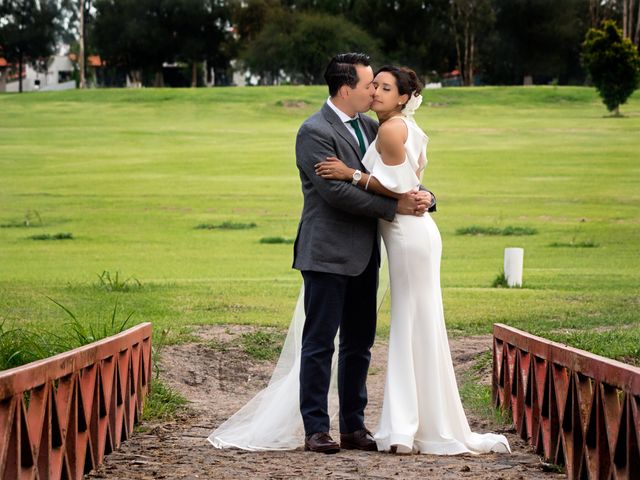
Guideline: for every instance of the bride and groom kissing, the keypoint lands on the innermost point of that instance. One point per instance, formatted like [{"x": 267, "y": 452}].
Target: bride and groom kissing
[{"x": 361, "y": 179}]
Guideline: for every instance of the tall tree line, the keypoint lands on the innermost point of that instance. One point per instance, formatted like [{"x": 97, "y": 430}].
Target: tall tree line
[
  {"x": 488, "y": 41},
  {"x": 141, "y": 35}
]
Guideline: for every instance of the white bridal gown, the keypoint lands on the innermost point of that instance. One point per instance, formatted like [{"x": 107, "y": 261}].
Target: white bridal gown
[{"x": 421, "y": 410}]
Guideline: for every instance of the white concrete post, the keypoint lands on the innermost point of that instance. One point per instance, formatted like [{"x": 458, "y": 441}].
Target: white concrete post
[{"x": 513, "y": 261}]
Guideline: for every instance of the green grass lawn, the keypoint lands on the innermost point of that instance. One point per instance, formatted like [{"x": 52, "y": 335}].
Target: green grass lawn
[{"x": 131, "y": 173}]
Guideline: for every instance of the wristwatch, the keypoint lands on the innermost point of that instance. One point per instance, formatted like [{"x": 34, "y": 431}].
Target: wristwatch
[{"x": 357, "y": 175}]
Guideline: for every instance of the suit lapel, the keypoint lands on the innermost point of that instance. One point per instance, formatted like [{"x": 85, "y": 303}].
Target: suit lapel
[{"x": 341, "y": 129}]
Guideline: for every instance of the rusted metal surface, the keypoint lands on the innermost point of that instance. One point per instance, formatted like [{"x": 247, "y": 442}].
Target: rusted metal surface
[
  {"x": 575, "y": 408},
  {"x": 60, "y": 416}
]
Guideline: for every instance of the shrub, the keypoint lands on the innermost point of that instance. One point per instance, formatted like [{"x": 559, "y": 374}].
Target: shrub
[
  {"x": 506, "y": 231},
  {"x": 48, "y": 236},
  {"x": 613, "y": 63},
  {"x": 276, "y": 240},
  {"x": 225, "y": 226}
]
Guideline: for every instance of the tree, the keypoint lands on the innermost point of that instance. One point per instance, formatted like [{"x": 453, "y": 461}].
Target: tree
[
  {"x": 28, "y": 32},
  {"x": 613, "y": 63},
  {"x": 114, "y": 35},
  {"x": 250, "y": 17},
  {"x": 141, "y": 35},
  {"x": 200, "y": 31},
  {"x": 267, "y": 41},
  {"x": 137, "y": 35},
  {"x": 414, "y": 33},
  {"x": 78, "y": 16},
  {"x": 300, "y": 44},
  {"x": 626, "y": 13},
  {"x": 81, "y": 9},
  {"x": 599, "y": 10},
  {"x": 318, "y": 37},
  {"x": 469, "y": 19},
  {"x": 631, "y": 20},
  {"x": 538, "y": 40}
]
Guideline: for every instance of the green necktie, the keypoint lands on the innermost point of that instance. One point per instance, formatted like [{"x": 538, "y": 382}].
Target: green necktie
[{"x": 356, "y": 127}]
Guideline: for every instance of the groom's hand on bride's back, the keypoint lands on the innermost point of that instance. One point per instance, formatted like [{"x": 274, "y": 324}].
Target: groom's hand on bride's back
[
  {"x": 427, "y": 199},
  {"x": 414, "y": 203}
]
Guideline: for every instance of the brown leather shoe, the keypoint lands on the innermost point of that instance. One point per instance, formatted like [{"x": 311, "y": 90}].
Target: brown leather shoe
[
  {"x": 358, "y": 440},
  {"x": 321, "y": 442}
]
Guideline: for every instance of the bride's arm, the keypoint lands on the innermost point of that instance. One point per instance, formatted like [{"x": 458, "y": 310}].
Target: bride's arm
[
  {"x": 391, "y": 138},
  {"x": 334, "y": 169}
]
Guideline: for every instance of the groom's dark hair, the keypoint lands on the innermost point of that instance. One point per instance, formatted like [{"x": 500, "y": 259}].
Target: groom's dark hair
[{"x": 342, "y": 71}]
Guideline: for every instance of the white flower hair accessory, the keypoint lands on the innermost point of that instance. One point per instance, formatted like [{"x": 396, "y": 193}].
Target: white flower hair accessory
[{"x": 412, "y": 105}]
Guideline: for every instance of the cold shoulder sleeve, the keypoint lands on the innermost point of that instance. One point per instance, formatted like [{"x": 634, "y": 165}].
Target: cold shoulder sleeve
[
  {"x": 404, "y": 177},
  {"x": 397, "y": 178}
]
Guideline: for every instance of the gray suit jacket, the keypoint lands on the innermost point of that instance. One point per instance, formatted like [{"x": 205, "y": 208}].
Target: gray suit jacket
[{"x": 338, "y": 228}]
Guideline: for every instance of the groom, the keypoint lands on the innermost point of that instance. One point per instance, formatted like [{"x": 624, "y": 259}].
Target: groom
[{"x": 337, "y": 251}]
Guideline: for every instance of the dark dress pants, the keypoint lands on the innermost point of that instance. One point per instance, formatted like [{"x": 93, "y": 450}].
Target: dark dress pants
[{"x": 334, "y": 301}]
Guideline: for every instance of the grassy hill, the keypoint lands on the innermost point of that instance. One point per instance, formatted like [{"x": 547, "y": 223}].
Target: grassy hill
[{"x": 131, "y": 173}]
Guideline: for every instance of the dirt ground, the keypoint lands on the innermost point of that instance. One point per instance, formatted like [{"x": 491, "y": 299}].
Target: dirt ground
[{"x": 218, "y": 378}]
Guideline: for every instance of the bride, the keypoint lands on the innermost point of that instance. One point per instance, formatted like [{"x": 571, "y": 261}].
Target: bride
[{"x": 422, "y": 411}]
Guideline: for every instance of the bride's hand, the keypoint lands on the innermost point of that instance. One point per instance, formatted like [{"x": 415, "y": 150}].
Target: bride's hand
[{"x": 334, "y": 169}]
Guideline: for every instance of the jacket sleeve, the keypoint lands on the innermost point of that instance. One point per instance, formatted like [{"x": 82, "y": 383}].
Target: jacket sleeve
[
  {"x": 432, "y": 207},
  {"x": 311, "y": 148}
]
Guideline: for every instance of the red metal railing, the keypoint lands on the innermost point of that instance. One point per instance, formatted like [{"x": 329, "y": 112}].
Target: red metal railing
[
  {"x": 60, "y": 416},
  {"x": 577, "y": 409}
]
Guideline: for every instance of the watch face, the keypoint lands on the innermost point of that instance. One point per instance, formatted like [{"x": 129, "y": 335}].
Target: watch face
[{"x": 357, "y": 175}]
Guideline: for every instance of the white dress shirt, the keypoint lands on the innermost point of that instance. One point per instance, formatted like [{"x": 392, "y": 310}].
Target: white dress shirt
[{"x": 346, "y": 118}]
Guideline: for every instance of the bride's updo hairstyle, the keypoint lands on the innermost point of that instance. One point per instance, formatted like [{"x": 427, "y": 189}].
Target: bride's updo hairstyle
[{"x": 406, "y": 79}]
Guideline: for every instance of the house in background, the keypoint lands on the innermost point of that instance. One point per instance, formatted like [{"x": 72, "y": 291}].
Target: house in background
[
  {"x": 452, "y": 79},
  {"x": 4, "y": 67},
  {"x": 94, "y": 69},
  {"x": 58, "y": 76}
]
